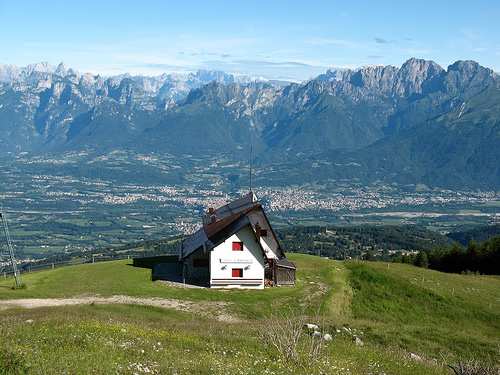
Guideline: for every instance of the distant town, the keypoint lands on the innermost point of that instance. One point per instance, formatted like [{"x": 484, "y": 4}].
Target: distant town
[{"x": 86, "y": 202}]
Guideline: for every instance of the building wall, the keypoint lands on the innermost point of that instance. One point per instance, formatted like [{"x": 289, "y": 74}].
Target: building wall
[
  {"x": 284, "y": 276},
  {"x": 268, "y": 243},
  {"x": 195, "y": 273},
  {"x": 223, "y": 259}
]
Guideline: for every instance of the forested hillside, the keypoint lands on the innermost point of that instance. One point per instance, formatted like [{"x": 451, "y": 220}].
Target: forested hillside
[
  {"x": 370, "y": 241},
  {"x": 418, "y": 123}
]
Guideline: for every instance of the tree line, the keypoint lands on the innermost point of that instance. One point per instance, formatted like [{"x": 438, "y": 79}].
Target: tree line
[
  {"x": 371, "y": 242},
  {"x": 478, "y": 257}
]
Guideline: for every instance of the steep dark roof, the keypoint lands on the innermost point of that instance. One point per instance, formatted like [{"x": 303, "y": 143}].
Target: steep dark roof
[
  {"x": 212, "y": 229},
  {"x": 218, "y": 232},
  {"x": 212, "y": 234},
  {"x": 223, "y": 223},
  {"x": 285, "y": 263},
  {"x": 247, "y": 201},
  {"x": 192, "y": 243}
]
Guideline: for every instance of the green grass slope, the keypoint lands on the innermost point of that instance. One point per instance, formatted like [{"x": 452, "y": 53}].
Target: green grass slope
[
  {"x": 427, "y": 311},
  {"x": 395, "y": 309},
  {"x": 119, "y": 278}
]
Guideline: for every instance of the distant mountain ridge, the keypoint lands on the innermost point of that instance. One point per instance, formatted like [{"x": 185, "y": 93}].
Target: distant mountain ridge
[
  {"x": 418, "y": 123},
  {"x": 164, "y": 87}
]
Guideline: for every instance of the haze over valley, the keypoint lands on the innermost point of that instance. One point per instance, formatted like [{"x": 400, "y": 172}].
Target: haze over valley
[
  {"x": 265, "y": 187},
  {"x": 414, "y": 144}
]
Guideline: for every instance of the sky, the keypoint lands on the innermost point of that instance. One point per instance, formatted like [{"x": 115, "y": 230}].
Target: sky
[{"x": 274, "y": 39}]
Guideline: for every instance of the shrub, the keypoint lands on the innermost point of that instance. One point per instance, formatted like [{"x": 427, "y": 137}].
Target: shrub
[
  {"x": 472, "y": 367},
  {"x": 292, "y": 342}
]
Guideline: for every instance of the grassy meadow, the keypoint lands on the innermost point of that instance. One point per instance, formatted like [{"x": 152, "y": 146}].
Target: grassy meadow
[{"x": 393, "y": 309}]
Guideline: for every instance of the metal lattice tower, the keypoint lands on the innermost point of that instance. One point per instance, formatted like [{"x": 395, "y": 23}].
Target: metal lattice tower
[{"x": 7, "y": 254}]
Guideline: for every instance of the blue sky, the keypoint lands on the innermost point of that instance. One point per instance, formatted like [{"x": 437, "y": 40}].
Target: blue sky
[{"x": 274, "y": 39}]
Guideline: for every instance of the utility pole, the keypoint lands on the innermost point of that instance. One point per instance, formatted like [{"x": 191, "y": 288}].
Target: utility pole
[
  {"x": 252, "y": 126},
  {"x": 10, "y": 248}
]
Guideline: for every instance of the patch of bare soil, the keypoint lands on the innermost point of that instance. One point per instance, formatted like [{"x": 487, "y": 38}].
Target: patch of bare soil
[
  {"x": 216, "y": 310},
  {"x": 179, "y": 285}
]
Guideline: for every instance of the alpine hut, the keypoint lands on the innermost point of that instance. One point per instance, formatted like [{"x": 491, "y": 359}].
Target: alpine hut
[{"x": 236, "y": 247}]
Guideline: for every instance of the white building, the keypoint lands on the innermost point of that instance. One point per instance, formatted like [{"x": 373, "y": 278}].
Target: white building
[{"x": 236, "y": 248}]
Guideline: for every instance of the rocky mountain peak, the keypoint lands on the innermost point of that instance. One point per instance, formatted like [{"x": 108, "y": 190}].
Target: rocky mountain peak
[
  {"x": 469, "y": 69},
  {"x": 213, "y": 75},
  {"x": 333, "y": 74},
  {"x": 464, "y": 66},
  {"x": 469, "y": 75},
  {"x": 413, "y": 75},
  {"x": 41, "y": 67},
  {"x": 60, "y": 70},
  {"x": 378, "y": 78},
  {"x": 8, "y": 73}
]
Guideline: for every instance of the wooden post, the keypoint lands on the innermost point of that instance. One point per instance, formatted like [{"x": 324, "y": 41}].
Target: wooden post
[
  {"x": 53, "y": 266},
  {"x": 275, "y": 282}
]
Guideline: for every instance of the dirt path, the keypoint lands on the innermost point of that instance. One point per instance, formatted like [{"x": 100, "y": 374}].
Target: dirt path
[
  {"x": 215, "y": 310},
  {"x": 341, "y": 294}
]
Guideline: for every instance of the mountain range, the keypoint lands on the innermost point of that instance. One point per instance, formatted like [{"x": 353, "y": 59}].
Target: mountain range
[{"x": 414, "y": 124}]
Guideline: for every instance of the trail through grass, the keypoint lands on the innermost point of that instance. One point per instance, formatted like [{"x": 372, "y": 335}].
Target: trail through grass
[{"x": 394, "y": 309}]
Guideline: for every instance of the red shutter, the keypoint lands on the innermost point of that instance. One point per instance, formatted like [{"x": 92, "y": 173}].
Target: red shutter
[
  {"x": 237, "y": 272},
  {"x": 237, "y": 246}
]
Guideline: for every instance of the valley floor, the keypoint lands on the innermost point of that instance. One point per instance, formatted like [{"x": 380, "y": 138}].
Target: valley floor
[{"x": 384, "y": 319}]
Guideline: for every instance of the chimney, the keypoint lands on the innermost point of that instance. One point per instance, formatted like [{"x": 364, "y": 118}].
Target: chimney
[{"x": 212, "y": 218}]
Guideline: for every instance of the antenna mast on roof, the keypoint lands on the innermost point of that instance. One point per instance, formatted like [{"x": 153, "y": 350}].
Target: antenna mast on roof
[
  {"x": 250, "y": 166},
  {"x": 10, "y": 249},
  {"x": 251, "y": 151}
]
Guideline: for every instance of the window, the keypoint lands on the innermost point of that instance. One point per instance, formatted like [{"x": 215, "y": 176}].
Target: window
[
  {"x": 237, "y": 246},
  {"x": 237, "y": 272}
]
